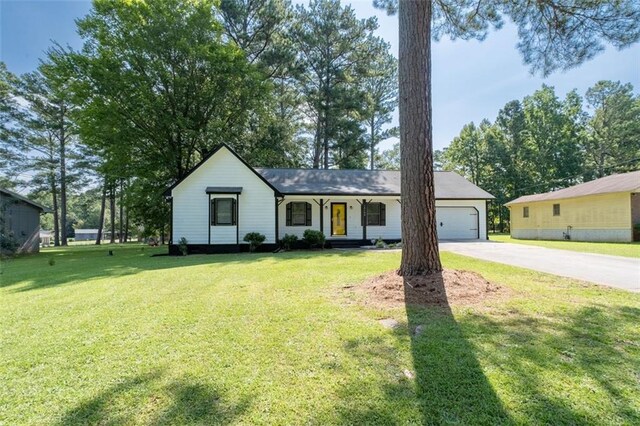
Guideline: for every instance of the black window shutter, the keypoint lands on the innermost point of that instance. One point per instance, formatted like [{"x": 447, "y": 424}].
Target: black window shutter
[
  {"x": 288, "y": 214},
  {"x": 234, "y": 212},
  {"x": 214, "y": 218},
  {"x": 383, "y": 214},
  {"x": 308, "y": 214}
]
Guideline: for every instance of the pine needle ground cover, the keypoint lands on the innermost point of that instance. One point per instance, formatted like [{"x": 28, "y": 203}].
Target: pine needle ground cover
[{"x": 281, "y": 339}]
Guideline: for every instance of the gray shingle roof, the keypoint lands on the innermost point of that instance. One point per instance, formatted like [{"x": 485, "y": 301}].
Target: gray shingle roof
[
  {"x": 25, "y": 199},
  {"x": 626, "y": 182},
  {"x": 448, "y": 185}
]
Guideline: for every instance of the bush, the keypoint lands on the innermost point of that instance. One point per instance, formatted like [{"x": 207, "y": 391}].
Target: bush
[
  {"x": 183, "y": 247},
  {"x": 314, "y": 238},
  {"x": 8, "y": 243},
  {"x": 254, "y": 239},
  {"x": 52, "y": 261},
  {"x": 289, "y": 241},
  {"x": 380, "y": 243}
]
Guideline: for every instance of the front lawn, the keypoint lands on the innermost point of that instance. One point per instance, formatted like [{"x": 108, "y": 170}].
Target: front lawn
[
  {"x": 277, "y": 340},
  {"x": 614, "y": 249}
]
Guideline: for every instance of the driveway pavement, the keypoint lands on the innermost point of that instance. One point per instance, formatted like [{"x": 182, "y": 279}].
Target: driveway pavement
[{"x": 614, "y": 271}]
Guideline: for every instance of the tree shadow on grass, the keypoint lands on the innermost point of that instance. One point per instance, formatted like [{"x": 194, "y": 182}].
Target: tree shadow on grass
[
  {"x": 440, "y": 382},
  {"x": 451, "y": 386},
  {"x": 143, "y": 399},
  {"x": 568, "y": 367},
  {"x": 81, "y": 265}
]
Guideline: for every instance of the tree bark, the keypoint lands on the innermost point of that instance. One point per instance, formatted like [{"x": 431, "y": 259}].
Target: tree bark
[
  {"x": 103, "y": 206},
  {"x": 56, "y": 217},
  {"x": 373, "y": 141},
  {"x": 420, "y": 254},
  {"x": 126, "y": 227},
  {"x": 121, "y": 207},
  {"x": 63, "y": 181},
  {"x": 112, "y": 211}
]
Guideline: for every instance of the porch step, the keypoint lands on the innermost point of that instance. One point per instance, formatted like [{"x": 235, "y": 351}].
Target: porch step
[{"x": 346, "y": 243}]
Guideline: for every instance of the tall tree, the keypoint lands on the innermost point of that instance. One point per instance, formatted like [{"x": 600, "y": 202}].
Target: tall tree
[
  {"x": 554, "y": 34},
  {"x": 47, "y": 135},
  {"x": 11, "y": 155},
  {"x": 162, "y": 77},
  {"x": 333, "y": 51},
  {"x": 380, "y": 88},
  {"x": 613, "y": 140},
  {"x": 258, "y": 27},
  {"x": 553, "y": 134}
]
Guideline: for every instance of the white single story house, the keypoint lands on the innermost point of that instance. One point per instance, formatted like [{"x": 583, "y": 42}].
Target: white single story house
[{"x": 223, "y": 198}]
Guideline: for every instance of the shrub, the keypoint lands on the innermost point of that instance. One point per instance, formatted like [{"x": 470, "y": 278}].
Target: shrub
[
  {"x": 289, "y": 241},
  {"x": 52, "y": 261},
  {"x": 314, "y": 238},
  {"x": 183, "y": 247},
  {"x": 254, "y": 239},
  {"x": 380, "y": 243},
  {"x": 8, "y": 243}
]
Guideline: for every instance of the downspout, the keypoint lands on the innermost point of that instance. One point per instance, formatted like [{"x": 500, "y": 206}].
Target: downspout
[
  {"x": 486, "y": 218},
  {"x": 275, "y": 198},
  {"x": 238, "y": 221},
  {"x": 364, "y": 221}
]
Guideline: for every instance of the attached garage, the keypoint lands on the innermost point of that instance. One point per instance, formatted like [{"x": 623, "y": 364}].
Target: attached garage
[
  {"x": 458, "y": 223},
  {"x": 350, "y": 207}
]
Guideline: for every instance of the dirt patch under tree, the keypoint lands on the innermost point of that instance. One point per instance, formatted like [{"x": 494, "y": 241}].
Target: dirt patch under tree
[{"x": 451, "y": 287}]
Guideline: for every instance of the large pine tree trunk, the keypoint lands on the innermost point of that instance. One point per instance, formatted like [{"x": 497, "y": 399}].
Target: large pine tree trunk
[
  {"x": 121, "y": 206},
  {"x": 63, "y": 181},
  {"x": 112, "y": 211},
  {"x": 372, "y": 124},
  {"x": 103, "y": 206},
  {"x": 56, "y": 215},
  {"x": 420, "y": 255}
]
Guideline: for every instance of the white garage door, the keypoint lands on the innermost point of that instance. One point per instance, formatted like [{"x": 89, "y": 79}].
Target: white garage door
[{"x": 457, "y": 223}]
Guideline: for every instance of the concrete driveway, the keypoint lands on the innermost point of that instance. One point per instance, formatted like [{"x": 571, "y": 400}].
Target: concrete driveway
[{"x": 614, "y": 271}]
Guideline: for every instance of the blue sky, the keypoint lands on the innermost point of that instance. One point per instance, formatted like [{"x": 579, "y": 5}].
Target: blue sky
[{"x": 471, "y": 80}]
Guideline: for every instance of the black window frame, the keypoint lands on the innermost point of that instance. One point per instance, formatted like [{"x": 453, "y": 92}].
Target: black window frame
[
  {"x": 308, "y": 213},
  {"x": 556, "y": 209},
  {"x": 215, "y": 209},
  {"x": 525, "y": 211},
  {"x": 381, "y": 215}
]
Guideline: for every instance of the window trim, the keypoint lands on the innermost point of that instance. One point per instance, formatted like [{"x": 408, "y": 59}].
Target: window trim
[
  {"x": 525, "y": 211},
  {"x": 214, "y": 212},
  {"x": 556, "y": 213},
  {"x": 308, "y": 214},
  {"x": 382, "y": 214}
]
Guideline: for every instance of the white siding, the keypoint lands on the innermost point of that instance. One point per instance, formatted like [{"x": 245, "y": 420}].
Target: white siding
[
  {"x": 392, "y": 231},
  {"x": 354, "y": 228},
  {"x": 256, "y": 204}
]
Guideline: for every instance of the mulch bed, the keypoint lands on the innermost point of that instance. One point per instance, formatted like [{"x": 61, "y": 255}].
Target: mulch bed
[{"x": 451, "y": 287}]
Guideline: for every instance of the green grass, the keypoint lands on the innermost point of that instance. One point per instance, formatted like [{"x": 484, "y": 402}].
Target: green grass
[
  {"x": 275, "y": 340},
  {"x": 614, "y": 249}
]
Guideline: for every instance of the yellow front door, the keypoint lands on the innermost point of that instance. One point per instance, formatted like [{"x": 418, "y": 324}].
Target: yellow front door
[{"x": 338, "y": 219}]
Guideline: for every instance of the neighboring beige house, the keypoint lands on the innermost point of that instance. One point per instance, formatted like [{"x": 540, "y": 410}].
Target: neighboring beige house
[{"x": 605, "y": 209}]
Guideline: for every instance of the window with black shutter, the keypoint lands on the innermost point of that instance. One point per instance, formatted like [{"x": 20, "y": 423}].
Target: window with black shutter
[
  {"x": 376, "y": 214},
  {"x": 298, "y": 213},
  {"x": 223, "y": 211}
]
